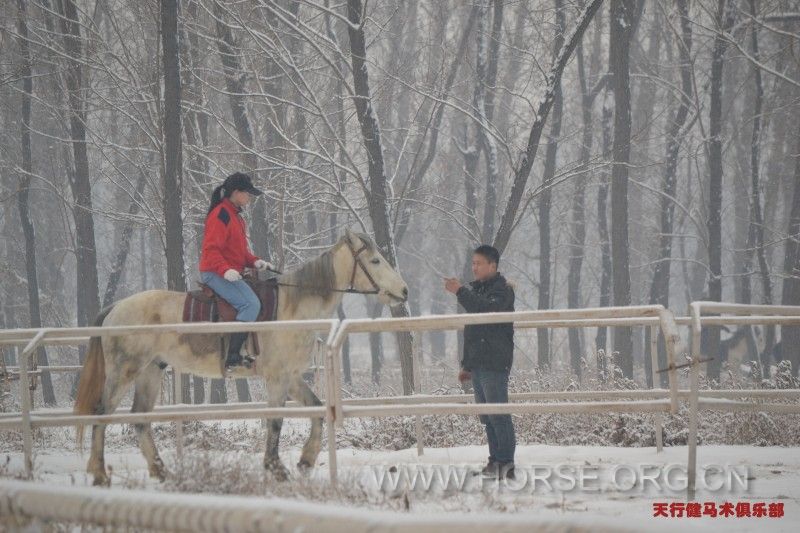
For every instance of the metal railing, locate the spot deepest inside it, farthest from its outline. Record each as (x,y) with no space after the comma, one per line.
(22,503)
(755,314)
(335,409)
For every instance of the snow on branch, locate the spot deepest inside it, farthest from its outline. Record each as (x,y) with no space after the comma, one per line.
(540,119)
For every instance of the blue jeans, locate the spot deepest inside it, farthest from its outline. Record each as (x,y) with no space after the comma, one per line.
(237,293)
(491,386)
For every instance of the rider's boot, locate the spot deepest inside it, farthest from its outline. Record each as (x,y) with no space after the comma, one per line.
(234,357)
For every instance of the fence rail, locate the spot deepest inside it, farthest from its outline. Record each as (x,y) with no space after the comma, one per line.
(336,409)
(22,503)
(771,314)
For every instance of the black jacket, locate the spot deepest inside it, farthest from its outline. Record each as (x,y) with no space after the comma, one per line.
(488,346)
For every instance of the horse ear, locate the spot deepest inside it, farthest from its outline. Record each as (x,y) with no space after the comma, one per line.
(350,236)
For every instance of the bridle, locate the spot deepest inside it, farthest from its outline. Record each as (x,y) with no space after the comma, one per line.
(357,263)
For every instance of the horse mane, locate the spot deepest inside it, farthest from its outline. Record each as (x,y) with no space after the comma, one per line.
(313,278)
(317,277)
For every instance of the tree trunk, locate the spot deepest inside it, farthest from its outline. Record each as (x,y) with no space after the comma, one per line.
(173,147)
(378,197)
(195,126)
(577,215)
(235,86)
(80,185)
(121,258)
(546,196)
(508,221)
(756,230)
(790,336)
(471,156)
(485,67)
(48,394)
(342,136)
(601,339)
(622,12)
(418,170)
(173,159)
(437,337)
(659,288)
(376,344)
(714,222)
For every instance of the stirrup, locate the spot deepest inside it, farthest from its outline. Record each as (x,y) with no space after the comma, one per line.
(238,360)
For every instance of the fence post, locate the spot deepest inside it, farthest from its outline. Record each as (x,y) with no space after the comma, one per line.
(671,339)
(654,371)
(417,356)
(177,380)
(25,397)
(331,353)
(694,393)
(336,382)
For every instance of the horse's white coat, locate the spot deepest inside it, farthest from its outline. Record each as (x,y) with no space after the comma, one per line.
(284,355)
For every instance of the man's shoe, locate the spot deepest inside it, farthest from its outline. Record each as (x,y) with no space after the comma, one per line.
(506,470)
(490,470)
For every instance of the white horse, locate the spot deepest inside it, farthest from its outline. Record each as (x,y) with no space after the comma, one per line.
(313,291)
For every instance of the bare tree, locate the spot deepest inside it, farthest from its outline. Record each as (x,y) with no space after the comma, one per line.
(577,215)
(546,196)
(234,83)
(79,179)
(552,80)
(173,158)
(486,58)
(601,339)
(790,336)
(124,246)
(621,26)
(659,288)
(23,195)
(377,198)
(755,240)
(723,19)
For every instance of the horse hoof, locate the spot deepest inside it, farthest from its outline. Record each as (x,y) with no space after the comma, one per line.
(101,481)
(159,474)
(278,471)
(304,466)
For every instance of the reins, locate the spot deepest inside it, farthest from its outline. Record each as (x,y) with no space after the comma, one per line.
(357,263)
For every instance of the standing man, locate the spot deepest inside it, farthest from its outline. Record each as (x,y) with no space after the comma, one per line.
(488,353)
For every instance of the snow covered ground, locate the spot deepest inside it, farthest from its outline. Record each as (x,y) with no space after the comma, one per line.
(772,476)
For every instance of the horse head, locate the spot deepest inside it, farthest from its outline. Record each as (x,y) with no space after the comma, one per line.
(372,273)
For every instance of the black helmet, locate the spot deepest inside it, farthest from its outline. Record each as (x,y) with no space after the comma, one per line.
(241,182)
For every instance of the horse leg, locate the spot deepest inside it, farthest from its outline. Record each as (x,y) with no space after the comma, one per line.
(302,393)
(148,385)
(276,392)
(118,379)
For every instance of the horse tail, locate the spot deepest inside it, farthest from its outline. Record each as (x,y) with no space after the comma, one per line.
(93,377)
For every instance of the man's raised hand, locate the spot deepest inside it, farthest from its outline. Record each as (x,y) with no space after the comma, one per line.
(452,285)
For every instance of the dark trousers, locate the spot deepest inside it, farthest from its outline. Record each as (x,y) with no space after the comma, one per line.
(491,386)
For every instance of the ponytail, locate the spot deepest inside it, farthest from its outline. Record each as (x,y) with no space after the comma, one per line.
(236,181)
(217,196)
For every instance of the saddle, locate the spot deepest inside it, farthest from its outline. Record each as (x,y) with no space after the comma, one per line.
(204,305)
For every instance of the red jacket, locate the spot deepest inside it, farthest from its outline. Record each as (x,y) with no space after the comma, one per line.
(225,241)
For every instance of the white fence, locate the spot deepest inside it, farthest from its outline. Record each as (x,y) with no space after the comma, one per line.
(336,409)
(22,504)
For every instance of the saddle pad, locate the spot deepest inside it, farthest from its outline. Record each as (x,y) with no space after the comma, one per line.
(205,306)
(267,292)
(199,309)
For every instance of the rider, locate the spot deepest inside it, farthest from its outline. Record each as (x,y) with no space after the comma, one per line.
(225,255)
